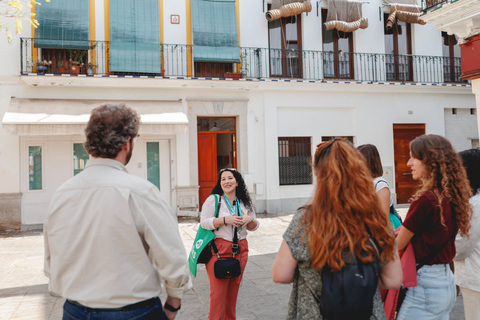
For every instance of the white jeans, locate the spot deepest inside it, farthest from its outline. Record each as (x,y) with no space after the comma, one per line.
(471,303)
(433,297)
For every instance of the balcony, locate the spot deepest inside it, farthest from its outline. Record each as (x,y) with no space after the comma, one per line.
(175,60)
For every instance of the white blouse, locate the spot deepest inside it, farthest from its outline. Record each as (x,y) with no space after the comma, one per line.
(224,232)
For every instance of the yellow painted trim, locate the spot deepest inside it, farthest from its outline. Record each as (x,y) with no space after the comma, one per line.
(93,52)
(34,50)
(188,23)
(161,28)
(237,10)
(161,22)
(106,10)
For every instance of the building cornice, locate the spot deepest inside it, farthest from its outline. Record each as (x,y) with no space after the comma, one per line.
(458,17)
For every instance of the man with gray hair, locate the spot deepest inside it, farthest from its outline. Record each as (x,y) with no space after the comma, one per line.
(109,237)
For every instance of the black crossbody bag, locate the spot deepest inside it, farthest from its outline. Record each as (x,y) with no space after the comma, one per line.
(227,267)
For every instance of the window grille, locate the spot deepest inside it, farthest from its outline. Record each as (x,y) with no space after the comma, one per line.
(295,158)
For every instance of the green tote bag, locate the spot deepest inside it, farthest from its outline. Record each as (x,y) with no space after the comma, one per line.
(202,238)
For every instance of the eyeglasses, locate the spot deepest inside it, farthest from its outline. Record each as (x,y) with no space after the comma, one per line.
(229,169)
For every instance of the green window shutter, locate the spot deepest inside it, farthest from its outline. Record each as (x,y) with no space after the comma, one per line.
(153,163)
(134,36)
(63,24)
(215,36)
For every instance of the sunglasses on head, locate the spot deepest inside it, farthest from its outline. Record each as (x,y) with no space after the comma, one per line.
(229,169)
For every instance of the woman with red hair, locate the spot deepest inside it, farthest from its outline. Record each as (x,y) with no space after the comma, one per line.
(343,215)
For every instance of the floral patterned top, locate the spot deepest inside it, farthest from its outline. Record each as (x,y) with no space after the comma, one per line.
(302,304)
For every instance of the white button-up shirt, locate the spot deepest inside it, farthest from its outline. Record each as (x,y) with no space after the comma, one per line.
(110,239)
(224,232)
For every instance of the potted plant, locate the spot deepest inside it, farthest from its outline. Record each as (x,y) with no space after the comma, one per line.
(75,66)
(91,68)
(76,60)
(41,66)
(61,66)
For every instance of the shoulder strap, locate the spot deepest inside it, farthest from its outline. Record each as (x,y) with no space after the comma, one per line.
(218,203)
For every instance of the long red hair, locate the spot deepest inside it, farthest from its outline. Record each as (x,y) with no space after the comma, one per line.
(343,206)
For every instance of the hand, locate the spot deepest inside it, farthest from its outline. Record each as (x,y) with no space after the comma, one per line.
(234,220)
(175,302)
(170,315)
(246,219)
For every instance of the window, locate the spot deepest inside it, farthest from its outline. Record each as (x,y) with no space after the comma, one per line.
(80,158)
(215,37)
(285,46)
(215,124)
(35,171)
(63,34)
(398,51)
(451,58)
(295,157)
(337,52)
(153,163)
(213,69)
(328,138)
(134,37)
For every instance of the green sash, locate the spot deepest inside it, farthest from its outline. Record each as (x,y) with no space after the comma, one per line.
(202,238)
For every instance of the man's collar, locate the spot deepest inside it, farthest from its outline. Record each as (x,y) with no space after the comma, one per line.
(106,162)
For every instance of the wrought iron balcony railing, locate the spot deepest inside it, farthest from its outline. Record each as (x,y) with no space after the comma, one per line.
(430,5)
(176,60)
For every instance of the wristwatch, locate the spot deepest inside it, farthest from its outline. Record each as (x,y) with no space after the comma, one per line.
(171,308)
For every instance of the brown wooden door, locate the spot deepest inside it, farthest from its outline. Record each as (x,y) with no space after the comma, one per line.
(405,186)
(207,164)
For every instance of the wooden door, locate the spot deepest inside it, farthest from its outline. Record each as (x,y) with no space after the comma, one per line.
(405,186)
(207,164)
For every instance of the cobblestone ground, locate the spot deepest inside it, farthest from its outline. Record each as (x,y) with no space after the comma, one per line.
(24,293)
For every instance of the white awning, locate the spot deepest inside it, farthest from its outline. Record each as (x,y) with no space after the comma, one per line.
(69,117)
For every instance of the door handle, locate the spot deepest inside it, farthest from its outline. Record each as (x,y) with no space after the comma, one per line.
(407,174)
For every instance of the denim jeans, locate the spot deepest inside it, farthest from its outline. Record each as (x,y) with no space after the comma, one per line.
(433,297)
(151,312)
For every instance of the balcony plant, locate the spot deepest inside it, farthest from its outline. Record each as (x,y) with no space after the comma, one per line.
(76,60)
(41,65)
(91,68)
(61,66)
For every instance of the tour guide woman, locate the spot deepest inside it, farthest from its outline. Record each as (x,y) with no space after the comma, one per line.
(439,209)
(236,211)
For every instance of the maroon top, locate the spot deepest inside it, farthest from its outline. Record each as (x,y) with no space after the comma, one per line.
(432,242)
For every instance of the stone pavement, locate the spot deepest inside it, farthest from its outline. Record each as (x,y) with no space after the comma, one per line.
(24,293)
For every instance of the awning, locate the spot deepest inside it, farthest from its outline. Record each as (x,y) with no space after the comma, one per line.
(69,117)
(287,8)
(214,31)
(63,24)
(345,15)
(404,10)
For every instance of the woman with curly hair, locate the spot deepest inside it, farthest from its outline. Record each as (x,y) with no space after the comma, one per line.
(235,215)
(343,215)
(438,210)
(467,260)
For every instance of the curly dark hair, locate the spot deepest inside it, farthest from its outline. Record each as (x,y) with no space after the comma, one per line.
(241,191)
(109,128)
(471,162)
(444,172)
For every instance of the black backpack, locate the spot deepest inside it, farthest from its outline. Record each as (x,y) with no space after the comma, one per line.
(348,293)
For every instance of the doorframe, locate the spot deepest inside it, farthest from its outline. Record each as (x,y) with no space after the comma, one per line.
(171,159)
(218,108)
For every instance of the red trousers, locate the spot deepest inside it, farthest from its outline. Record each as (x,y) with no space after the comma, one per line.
(223,292)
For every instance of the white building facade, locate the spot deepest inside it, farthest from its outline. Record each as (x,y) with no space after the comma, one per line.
(261,107)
